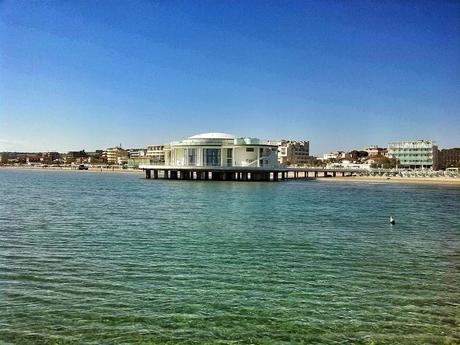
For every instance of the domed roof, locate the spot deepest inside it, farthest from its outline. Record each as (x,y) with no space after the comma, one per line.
(213,135)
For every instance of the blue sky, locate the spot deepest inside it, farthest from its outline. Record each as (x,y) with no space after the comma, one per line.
(342,74)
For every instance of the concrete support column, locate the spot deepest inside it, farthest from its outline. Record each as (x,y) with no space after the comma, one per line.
(166,174)
(155,174)
(275,176)
(148,174)
(334,174)
(267,176)
(174,174)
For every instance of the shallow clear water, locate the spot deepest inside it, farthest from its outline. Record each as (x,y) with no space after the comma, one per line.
(114,258)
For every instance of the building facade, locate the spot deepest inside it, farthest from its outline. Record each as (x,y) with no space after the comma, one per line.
(449,158)
(221,150)
(136,153)
(375,151)
(346,164)
(116,154)
(416,154)
(156,153)
(75,157)
(293,151)
(334,155)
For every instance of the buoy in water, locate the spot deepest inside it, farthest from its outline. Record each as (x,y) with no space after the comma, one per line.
(392,220)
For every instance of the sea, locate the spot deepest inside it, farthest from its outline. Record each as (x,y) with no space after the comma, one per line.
(114,258)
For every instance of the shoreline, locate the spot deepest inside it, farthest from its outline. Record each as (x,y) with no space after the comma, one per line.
(395,180)
(97,170)
(365,179)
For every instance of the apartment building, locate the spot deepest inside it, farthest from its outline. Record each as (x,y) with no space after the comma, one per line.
(414,154)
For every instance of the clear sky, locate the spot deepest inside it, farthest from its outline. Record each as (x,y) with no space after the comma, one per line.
(342,74)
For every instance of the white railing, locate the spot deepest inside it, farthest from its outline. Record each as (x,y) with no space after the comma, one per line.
(257,160)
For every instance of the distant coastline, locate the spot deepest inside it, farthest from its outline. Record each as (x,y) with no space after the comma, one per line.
(68,169)
(357,179)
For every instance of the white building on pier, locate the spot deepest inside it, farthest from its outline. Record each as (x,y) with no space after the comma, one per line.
(221,150)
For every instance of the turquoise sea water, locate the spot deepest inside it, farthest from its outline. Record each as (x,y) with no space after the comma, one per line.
(93,258)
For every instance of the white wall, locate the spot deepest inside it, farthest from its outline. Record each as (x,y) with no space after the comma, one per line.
(240,156)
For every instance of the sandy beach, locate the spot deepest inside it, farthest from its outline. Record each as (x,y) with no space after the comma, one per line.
(383,179)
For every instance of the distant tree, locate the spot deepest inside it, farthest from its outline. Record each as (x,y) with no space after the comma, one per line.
(355,154)
(385,163)
(314,162)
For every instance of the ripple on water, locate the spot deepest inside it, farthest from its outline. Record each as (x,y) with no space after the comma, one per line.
(101,258)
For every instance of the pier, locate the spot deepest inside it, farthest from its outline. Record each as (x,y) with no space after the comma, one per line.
(210,173)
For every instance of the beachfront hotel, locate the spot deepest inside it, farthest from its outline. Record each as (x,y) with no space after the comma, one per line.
(218,156)
(293,151)
(414,154)
(116,155)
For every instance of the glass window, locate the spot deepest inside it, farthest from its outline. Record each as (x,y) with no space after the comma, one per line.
(229,157)
(211,157)
(190,156)
(249,149)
